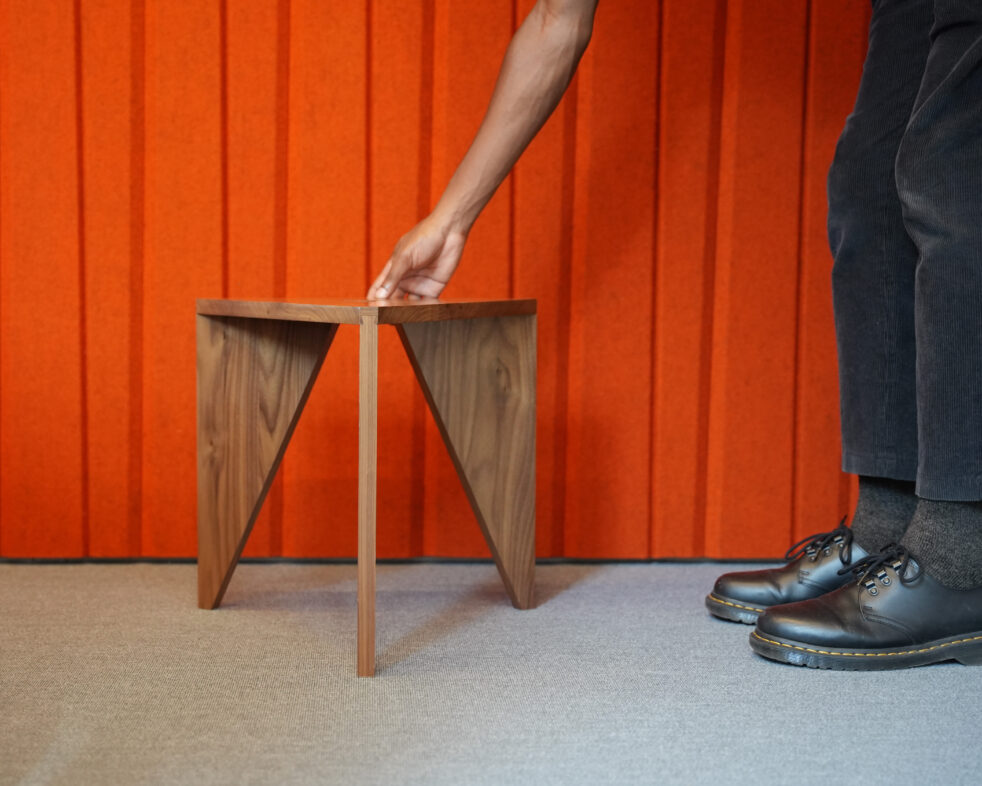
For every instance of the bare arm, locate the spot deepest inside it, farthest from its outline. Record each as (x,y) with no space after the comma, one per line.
(537,69)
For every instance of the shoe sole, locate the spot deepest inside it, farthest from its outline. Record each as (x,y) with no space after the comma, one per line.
(729,609)
(965,648)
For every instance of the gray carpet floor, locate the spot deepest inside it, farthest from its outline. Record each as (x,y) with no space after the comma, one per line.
(110,674)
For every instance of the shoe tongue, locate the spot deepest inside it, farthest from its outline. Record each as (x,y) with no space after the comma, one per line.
(913,568)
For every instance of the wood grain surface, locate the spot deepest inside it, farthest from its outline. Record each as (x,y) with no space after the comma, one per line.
(349,312)
(478,377)
(367,482)
(254,377)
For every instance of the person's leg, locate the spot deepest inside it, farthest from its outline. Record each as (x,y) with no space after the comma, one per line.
(920,601)
(873,276)
(873,284)
(939,179)
(875,259)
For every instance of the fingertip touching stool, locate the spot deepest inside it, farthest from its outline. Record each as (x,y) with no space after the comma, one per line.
(257,362)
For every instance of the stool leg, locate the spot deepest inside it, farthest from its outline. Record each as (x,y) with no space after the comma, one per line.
(478,376)
(367,463)
(254,377)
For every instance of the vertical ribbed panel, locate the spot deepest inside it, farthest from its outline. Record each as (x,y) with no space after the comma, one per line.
(43,444)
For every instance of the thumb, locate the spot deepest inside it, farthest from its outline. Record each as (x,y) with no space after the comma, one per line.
(387,282)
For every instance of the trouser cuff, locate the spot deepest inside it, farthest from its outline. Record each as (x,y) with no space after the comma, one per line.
(880,465)
(949,488)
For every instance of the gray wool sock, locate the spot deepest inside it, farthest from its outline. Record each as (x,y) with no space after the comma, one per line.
(946,540)
(884,510)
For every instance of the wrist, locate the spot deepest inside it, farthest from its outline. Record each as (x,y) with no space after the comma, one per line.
(454,217)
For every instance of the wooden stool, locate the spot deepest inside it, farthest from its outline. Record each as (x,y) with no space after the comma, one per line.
(257,362)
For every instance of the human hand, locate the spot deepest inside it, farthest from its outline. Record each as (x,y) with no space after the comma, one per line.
(422,262)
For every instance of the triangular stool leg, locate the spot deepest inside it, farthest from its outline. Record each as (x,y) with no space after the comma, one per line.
(254,377)
(478,376)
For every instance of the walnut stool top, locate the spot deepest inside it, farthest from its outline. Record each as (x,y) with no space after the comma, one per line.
(349,312)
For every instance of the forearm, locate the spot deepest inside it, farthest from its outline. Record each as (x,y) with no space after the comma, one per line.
(537,68)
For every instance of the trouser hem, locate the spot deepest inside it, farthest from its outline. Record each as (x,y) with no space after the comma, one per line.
(963,488)
(946,488)
(879,466)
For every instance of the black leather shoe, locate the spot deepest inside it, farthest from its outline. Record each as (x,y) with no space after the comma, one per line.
(891,616)
(813,570)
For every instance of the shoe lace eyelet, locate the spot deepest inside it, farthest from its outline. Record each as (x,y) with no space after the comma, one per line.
(885,581)
(873,591)
(827,551)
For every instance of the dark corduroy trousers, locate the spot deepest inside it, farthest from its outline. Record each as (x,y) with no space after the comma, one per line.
(905,225)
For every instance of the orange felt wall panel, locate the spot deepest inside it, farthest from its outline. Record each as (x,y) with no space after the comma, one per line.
(112,225)
(690,100)
(609,409)
(43,476)
(669,218)
(253,68)
(752,363)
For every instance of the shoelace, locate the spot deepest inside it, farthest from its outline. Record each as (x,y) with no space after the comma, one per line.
(811,546)
(872,568)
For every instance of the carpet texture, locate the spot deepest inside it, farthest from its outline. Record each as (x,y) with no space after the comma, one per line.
(110,674)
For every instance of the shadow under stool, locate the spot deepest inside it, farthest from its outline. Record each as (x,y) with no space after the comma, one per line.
(257,362)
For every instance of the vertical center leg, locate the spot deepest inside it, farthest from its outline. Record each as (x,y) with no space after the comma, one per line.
(367,462)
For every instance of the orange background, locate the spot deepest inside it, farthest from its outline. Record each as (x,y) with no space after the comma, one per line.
(670,219)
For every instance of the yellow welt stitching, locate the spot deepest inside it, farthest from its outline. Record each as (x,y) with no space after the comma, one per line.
(864,654)
(717,599)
